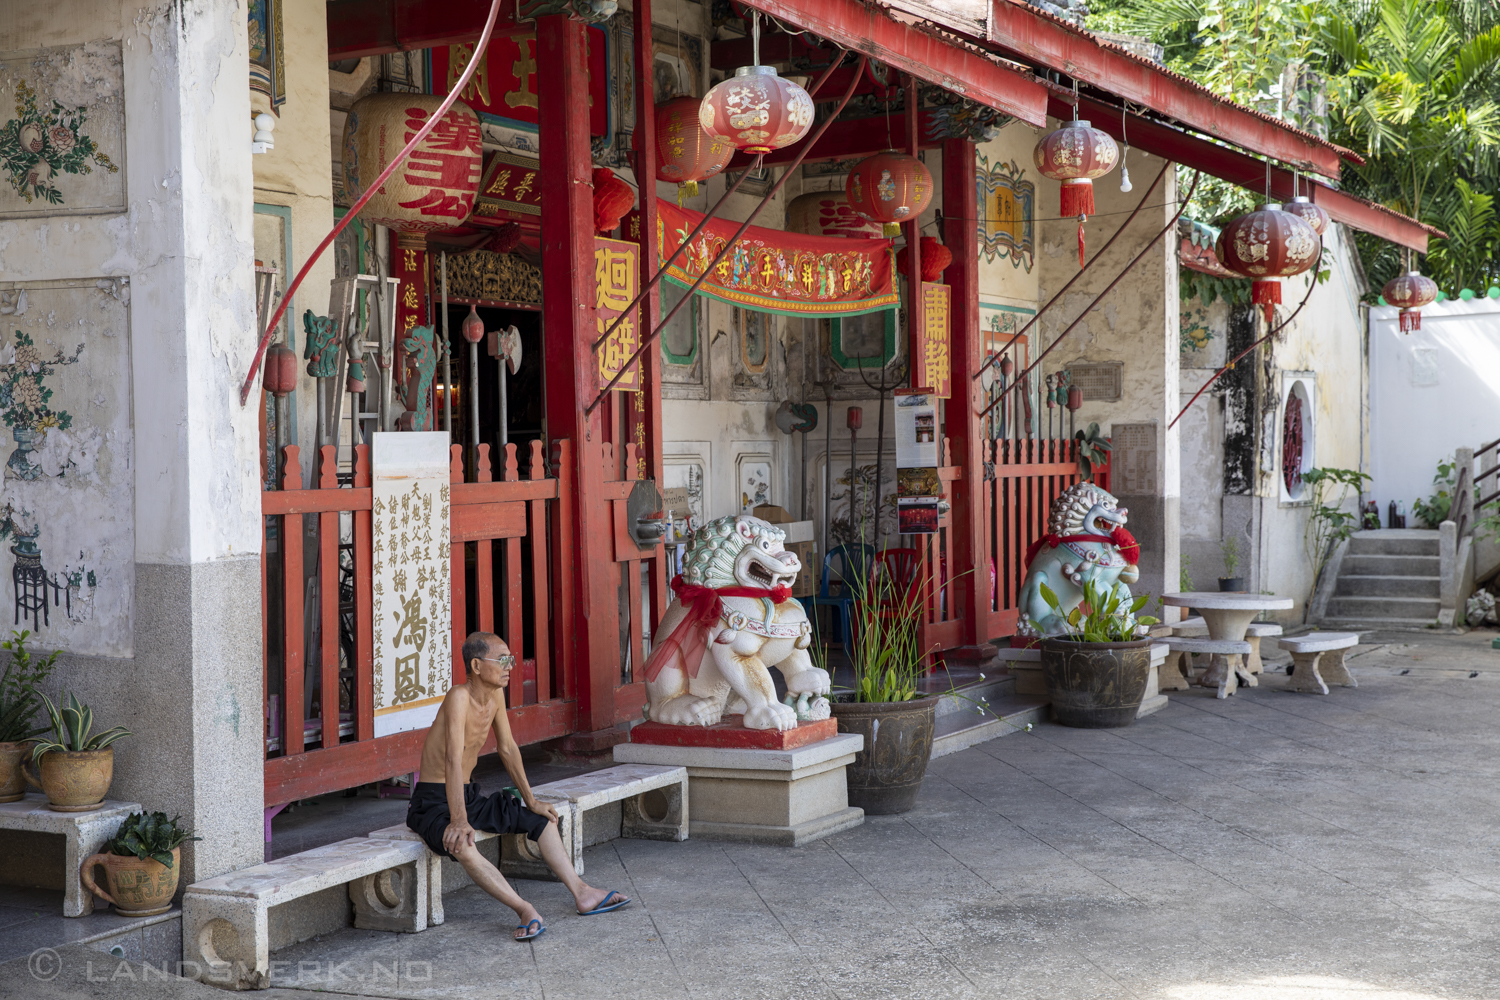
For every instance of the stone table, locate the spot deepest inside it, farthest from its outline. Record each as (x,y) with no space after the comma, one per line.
(1227,616)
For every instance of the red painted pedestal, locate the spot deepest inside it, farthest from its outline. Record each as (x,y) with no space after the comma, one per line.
(731,734)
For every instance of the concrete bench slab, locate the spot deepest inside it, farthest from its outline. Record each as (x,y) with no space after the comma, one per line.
(225,920)
(1226,671)
(83,833)
(1318,654)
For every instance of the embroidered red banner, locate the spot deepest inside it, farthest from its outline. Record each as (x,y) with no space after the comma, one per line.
(770,270)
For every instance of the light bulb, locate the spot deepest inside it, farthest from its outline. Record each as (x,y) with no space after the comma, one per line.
(1125,185)
(262,141)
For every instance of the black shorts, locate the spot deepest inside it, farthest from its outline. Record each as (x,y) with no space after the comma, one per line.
(500,812)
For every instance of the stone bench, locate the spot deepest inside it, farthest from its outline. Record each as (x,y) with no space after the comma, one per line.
(1318,654)
(1198,628)
(1178,674)
(83,833)
(226,920)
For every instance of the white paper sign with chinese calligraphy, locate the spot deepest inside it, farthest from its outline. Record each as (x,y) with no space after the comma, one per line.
(412,617)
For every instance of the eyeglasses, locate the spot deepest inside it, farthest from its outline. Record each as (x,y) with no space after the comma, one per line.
(509,659)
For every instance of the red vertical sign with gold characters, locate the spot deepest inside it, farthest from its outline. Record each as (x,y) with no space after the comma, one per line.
(934,349)
(410,265)
(616,283)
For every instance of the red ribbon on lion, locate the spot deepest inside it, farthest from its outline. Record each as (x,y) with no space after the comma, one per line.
(1129,548)
(704,607)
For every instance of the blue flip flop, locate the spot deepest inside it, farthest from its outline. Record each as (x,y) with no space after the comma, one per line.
(605,905)
(530,935)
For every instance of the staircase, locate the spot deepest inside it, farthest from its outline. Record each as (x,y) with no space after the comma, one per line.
(1388,579)
(960,723)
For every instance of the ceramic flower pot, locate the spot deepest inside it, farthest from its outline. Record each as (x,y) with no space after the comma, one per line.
(887,774)
(1231,584)
(12,781)
(1096,685)
(138,887)
(74,780)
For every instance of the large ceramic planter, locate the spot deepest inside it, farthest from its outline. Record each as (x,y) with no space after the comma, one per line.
(74,780)
(12,781)
(138,887)
(887,774)
(1096,685)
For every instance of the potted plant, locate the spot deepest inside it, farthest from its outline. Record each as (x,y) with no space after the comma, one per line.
(1096,671)
(74,768)
(19,704)
(886,705)
(141,865)
(1229,583)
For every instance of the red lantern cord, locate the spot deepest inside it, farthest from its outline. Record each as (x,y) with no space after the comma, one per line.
(370,192)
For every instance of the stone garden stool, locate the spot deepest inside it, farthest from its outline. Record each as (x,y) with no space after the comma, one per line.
(1194,628)
(1238,649)
(84,833)
(1317,655)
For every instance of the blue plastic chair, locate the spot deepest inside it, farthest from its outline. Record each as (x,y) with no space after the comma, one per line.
(853,563)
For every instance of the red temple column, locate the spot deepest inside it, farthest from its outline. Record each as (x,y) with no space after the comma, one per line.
(568,295)
(965,430)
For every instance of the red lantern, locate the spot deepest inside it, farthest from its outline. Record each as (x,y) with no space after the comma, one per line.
(756,110)
(1313,215)
(473,328)
(1410,291)
(935,259)
(1075,154)
(889,188)
(685,154)
(280,372)
(612,199)
(1266,245)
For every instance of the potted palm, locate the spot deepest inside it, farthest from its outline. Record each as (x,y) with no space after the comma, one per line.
(19,705)
(1229,583)
(886,705)
(141,865)
(1096,671)
(74,768)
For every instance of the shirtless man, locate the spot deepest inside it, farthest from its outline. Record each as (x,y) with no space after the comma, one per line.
(468,714)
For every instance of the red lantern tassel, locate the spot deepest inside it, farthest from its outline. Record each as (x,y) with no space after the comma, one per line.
(1411,319)
(1078,199)
(1267,294)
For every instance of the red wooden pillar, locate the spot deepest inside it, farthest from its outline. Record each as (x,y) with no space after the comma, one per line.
(568,294)
(913,233)
(971,569)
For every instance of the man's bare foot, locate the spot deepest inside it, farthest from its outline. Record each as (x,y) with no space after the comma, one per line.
(527,915)
(593,900)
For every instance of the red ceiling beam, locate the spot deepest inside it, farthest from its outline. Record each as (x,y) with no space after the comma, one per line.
(844,140)
(1030,35)
(374,27)
(934,60)
(1249,173)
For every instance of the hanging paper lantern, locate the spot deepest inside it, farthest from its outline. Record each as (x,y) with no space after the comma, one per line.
(889,188)
(1314,215)
(280,374)
(935,259)
(756,110)
(1410,291)
(1268,244)
(473,328)
(612,199)
(1075,154)
(827,213)
(685,154)
(435,187)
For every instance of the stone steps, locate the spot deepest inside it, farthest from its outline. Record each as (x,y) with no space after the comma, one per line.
(1387,585)
(960,723)
(1394,542)
(1381,565)
(1379,608)
(1387,579)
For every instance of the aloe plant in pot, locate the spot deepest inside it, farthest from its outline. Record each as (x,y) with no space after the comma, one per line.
(1097,670)
(19,705)
(74,768)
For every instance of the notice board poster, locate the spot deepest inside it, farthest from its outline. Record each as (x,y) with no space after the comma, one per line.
(918,486)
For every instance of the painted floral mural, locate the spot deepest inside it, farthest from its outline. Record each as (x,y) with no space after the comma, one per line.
(37,147)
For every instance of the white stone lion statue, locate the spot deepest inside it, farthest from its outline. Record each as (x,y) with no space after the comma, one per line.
(731,618)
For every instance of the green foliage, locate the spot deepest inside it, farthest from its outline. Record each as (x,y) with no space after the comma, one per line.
(19,700)
(1230,548)
(148,835)
(1328,522)
(1208,288)
(1184,578)
(1109,619)
(70,729)
(1434,510)
(886,624)
(1093,451)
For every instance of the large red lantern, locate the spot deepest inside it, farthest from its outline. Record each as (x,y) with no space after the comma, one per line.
(1314,215)
(756,111)
(1267,245)
(827,213)
(612,199)
(889,188)
(434,190)
(685,154)
(935,259)
(1410,291)
(1075,154)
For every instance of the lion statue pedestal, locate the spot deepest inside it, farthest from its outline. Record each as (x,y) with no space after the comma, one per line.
(759,770)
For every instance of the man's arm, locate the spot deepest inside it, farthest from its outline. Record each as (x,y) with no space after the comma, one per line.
(455,709)
(510,756)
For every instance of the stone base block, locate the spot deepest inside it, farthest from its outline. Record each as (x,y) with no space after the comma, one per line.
(788,797)
(393,900)
(732,734)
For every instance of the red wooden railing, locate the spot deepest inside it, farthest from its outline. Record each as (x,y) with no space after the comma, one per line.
(1029,473)
(941,626)
(511,546)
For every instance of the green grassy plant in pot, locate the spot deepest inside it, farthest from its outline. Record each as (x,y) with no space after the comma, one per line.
(886,705)
(142,863)
(19,705)
(1096,671)
(74,768)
